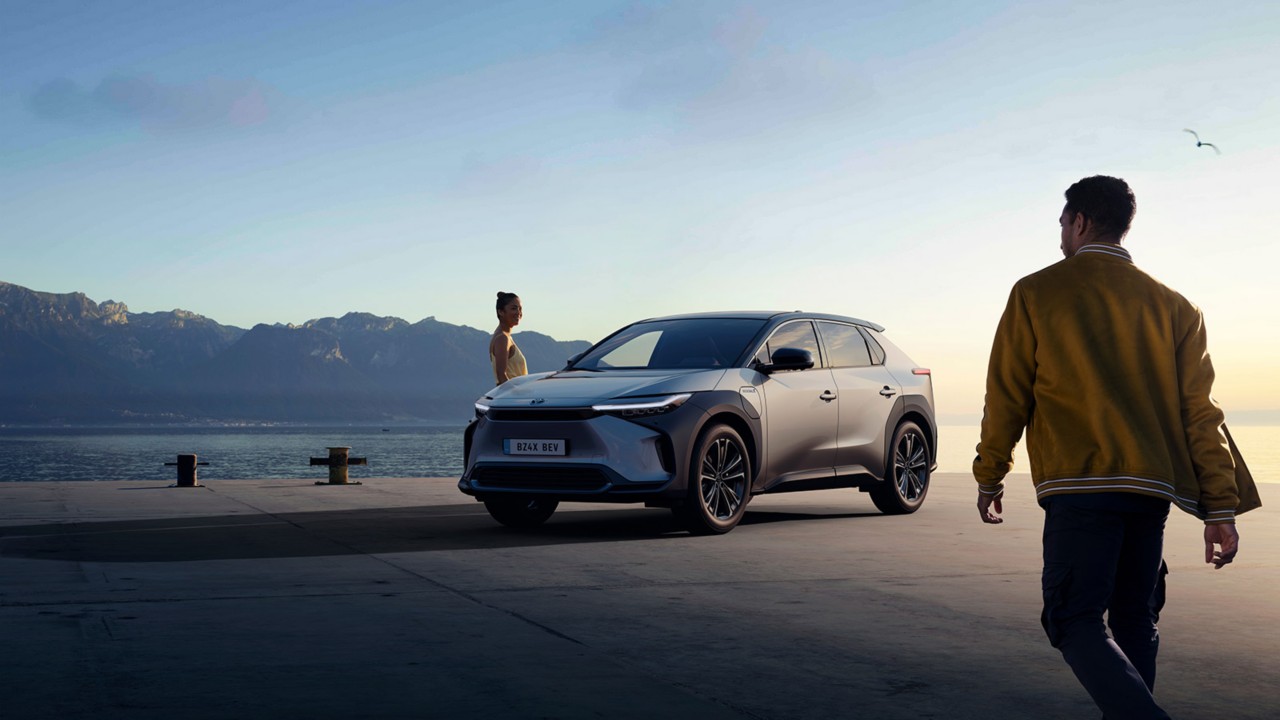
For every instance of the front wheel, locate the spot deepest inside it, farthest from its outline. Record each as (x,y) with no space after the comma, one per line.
(521,512)
(719,482)
(906,479)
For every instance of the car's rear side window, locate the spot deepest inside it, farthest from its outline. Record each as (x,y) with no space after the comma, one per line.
(845,345)
(877,350)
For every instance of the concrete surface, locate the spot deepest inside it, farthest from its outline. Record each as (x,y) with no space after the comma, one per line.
(400,598)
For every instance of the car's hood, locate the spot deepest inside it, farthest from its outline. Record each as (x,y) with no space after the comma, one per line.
(579,388)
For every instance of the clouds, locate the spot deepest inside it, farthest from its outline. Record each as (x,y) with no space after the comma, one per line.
(479,175)
(154,105)
(728,71)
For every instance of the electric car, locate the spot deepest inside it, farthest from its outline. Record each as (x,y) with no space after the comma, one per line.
(698,413)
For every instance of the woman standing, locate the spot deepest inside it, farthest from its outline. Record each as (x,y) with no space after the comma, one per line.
(504,355)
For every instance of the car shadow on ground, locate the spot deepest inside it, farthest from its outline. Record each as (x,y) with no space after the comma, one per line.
(760,517)
(346,532)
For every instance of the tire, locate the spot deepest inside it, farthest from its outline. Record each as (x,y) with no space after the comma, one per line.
(906,479)
(719,483)
(521,512)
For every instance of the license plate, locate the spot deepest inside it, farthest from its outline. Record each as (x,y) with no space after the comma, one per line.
(516,446)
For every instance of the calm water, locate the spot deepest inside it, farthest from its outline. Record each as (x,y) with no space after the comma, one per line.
(283,452)
(232,453)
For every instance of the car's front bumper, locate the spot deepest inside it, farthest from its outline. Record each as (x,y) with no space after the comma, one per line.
(607,459)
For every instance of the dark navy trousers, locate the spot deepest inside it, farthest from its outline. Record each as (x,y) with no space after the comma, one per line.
(1103,556)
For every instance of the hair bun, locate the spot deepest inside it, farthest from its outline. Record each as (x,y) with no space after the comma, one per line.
(504,299)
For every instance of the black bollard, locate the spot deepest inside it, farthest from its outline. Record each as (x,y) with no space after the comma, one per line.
(338,460)
(186,471)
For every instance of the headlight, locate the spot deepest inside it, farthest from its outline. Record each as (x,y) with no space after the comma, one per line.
(642,407)
(482,407)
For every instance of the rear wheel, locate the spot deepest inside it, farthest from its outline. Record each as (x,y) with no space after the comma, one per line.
(719,482)
(521,512)
(906,479)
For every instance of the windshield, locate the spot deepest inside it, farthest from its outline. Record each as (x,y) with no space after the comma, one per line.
(666,344)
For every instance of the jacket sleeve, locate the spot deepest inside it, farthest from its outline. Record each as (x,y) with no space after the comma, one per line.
(1202,421)
(1011,375)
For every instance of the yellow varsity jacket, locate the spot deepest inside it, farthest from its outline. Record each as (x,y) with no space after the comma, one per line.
(1107,370)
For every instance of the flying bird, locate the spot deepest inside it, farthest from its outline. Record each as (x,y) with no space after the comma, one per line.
(1202,144)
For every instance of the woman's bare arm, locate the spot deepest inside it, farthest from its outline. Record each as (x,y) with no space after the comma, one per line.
(500,347)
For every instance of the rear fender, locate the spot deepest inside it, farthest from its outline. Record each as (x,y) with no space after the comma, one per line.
(917,409)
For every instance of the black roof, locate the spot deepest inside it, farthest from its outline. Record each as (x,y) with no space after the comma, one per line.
(779,315)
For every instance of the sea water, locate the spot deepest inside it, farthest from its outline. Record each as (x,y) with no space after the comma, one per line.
(233,453)
(262,452)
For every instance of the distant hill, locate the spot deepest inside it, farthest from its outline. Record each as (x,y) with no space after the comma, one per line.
(67,359)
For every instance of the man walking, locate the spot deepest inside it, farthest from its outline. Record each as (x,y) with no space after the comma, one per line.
(1108,371)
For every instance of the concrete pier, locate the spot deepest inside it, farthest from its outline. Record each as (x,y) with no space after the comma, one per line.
(403,599)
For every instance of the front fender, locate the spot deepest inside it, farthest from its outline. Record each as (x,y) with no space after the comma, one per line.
(682,429)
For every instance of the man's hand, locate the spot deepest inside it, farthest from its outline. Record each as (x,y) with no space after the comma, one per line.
(1225,536)
(990,507)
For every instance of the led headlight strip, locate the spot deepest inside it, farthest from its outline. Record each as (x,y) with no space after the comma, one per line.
(645,407)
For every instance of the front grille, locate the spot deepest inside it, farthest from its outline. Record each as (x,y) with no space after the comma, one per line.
(540,478)
(547,415)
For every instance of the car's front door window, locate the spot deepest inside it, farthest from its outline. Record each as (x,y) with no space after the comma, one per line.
(793,335)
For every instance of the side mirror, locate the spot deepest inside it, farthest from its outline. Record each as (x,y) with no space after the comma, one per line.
(787,358)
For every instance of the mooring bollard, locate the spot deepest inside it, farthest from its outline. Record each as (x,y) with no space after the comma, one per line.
(186,471)
(338,461)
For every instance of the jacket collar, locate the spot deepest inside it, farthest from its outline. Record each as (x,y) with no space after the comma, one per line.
(1111,249)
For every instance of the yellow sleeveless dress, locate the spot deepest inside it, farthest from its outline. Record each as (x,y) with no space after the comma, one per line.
(516,365)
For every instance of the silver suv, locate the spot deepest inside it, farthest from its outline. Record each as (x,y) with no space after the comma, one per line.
(698,413)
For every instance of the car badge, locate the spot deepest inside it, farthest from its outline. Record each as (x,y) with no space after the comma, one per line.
(537,401)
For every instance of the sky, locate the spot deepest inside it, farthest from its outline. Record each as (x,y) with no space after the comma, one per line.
(275,162)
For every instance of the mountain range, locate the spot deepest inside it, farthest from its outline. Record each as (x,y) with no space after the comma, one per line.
(65,359)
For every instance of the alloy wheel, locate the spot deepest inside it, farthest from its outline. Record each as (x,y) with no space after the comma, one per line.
(723,478)
(911,466)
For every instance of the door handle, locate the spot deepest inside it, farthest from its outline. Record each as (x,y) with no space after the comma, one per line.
(887,392)
(827,395)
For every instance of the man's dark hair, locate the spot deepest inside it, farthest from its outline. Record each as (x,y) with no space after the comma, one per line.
(1106,201)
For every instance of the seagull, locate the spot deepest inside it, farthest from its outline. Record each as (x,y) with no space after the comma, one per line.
(1202,144)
